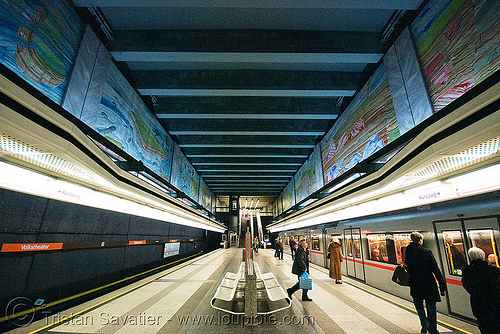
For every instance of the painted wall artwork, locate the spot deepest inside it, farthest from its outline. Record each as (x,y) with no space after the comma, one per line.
(184,176)
(288,196)
(366,126)
(309,177)
(123,118)
(39,40)
(458,43)
(205,195)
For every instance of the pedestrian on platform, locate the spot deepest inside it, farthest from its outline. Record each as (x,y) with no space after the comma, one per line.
(422,268)
(482,282)
(279,248)
(300,265)
(335,252)
(293,247)
(255,244)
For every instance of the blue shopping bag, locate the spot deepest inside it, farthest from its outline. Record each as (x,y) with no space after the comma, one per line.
(305,281)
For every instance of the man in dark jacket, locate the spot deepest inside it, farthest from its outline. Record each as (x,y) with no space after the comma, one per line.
(482,282)
(422,267)
(300,265)
(293,247)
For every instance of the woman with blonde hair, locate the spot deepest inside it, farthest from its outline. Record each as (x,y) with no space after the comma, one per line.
(335,252)
(482,282)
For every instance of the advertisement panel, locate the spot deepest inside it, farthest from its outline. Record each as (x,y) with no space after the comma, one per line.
(171,249)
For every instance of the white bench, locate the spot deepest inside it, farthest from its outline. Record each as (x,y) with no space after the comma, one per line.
(274,290)
(277,297)
(228,286)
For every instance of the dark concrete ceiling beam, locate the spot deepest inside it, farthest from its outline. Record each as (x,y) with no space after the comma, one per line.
(299,4)
(158,45)
(247,79)
(250,140)
(247,105)
(247,152)
(247,127)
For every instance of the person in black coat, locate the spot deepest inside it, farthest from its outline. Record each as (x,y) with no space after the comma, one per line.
(293,247)
(482,282)
(300,265)
(279,247)
(422,267)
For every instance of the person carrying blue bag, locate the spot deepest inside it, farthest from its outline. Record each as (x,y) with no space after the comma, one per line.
(300,267)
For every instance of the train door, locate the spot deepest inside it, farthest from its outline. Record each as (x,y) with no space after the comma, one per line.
(328,238)
(354,253)
(454,239)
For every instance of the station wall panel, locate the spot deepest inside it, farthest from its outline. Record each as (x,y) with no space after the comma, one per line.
(95,251)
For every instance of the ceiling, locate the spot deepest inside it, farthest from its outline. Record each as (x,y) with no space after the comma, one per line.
(247,88)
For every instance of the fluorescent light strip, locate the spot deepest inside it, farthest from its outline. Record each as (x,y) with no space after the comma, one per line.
(245,164)
(277,156)
(243,146)
(244,133)
(481,181)
(244,115)
(243,181)
(245,176)
(249,170)
(25,181)
(246,185)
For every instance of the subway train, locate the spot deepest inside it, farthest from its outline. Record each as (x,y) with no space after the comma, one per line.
(371,245)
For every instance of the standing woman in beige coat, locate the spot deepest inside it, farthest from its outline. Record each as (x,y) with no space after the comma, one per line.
(335,251)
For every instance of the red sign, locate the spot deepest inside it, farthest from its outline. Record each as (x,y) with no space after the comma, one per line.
(137,242)
(31,247)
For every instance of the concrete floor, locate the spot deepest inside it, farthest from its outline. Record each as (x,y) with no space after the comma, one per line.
(178,301)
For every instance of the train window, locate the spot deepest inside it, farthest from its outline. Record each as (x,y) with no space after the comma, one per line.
(356,246)
(455,252)
(378,247)
(401,240)
(485,240)
(315,243)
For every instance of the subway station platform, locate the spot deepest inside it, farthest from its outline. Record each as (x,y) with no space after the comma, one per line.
(177,300)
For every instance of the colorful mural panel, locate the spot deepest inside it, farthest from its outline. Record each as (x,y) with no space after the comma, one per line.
(39,41)
(288,196)
(366,126)
(458,43)
(205,195)
(309,178)
(184,175)
(123,118)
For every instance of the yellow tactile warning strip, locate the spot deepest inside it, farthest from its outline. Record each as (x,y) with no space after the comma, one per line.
(396,303)
(65,319)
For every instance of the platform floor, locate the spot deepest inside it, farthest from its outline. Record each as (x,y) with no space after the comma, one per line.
(177,300)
